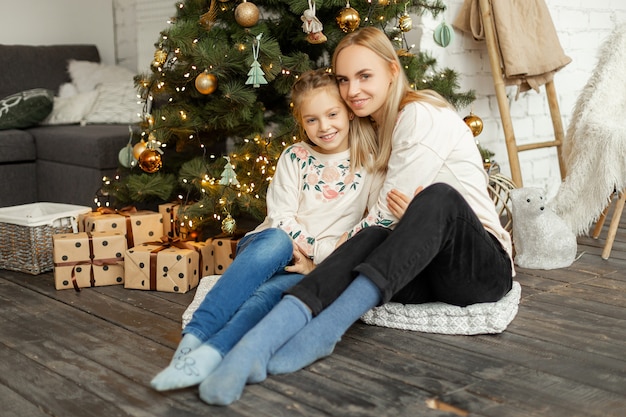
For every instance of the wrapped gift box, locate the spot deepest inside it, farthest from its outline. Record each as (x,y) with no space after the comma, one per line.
(88,259)
(169,213)
(224,249)
(170,266)
(207,257)
(139,226)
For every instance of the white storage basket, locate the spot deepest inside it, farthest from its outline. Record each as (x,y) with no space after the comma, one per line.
(27,232)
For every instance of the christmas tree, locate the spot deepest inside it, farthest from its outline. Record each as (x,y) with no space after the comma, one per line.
(218,86)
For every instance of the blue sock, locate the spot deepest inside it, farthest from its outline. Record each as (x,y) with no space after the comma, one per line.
(247,361)
(187,370)
(318,338)
(188,343)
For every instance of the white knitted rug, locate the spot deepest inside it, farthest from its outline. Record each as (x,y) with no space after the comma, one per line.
(444,318)
(429,317)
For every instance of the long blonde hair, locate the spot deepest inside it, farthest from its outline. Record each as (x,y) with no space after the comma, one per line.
(400,91)
(361,136)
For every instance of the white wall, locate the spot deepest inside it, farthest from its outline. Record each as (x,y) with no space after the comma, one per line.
(582,26)
(48,22)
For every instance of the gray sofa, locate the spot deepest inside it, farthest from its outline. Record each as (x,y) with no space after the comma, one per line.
(56,163)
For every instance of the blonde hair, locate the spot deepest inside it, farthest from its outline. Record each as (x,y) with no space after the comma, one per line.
(400,92)
(361,136)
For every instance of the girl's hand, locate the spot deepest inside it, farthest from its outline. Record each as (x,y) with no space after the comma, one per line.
(302,264)
(398,202)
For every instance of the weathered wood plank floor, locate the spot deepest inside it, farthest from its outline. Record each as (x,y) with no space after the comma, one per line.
(92,354)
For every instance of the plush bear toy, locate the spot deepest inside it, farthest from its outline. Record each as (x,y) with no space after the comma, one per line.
(541,238)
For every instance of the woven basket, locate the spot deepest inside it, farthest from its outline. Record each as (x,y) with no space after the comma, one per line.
(27,231)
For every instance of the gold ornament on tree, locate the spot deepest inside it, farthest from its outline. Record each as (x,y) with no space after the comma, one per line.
(139,148)
(207,20)
(160,56)
(405,22)
(206,83)
(475,123)
(247,14)
(348,19)
(150,159)
(229,225)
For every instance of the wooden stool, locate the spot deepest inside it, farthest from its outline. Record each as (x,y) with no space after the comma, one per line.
(617,214)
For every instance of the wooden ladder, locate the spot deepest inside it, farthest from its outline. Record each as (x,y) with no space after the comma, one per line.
(512,147)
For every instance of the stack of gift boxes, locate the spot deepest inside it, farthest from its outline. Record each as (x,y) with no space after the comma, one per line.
(139,249)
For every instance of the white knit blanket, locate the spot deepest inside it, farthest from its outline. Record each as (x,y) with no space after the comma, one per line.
(594,149)
(481,318)
(429,317)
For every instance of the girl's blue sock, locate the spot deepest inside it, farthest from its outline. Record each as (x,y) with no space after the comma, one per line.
(318,338)
(247,361)
(188,370)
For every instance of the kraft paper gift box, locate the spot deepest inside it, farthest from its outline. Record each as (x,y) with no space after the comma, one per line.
(207,258)
(224,250)
(139,226)
(170,266)
(169,212)
(88,259)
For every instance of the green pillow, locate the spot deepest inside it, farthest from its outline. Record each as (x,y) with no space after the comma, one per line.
(25,109)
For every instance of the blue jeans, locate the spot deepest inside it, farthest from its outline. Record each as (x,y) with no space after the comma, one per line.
(249,288)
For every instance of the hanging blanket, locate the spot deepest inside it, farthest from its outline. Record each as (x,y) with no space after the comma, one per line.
(530,51)
(594,149)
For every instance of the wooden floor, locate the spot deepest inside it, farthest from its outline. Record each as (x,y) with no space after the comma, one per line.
(92,353)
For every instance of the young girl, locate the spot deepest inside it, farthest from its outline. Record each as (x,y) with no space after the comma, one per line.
(319,191)
(448,245)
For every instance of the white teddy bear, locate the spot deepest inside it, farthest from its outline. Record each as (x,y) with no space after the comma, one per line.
(541,238)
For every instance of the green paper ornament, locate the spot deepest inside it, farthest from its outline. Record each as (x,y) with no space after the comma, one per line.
(126,157)
(443,34)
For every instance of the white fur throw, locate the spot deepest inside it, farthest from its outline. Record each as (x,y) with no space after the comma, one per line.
(429,317)
(594,149)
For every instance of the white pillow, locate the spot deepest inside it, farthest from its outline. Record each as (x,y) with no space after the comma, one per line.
(87,75)
(116,103)
(71,110)
(67,90)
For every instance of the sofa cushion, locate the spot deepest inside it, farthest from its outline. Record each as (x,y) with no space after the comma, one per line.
(25,109)
(116,103)
(86,76)
(92,146)
(16,146)
(25,67)
(71,110)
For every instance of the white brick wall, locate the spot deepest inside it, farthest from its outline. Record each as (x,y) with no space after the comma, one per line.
(581,25)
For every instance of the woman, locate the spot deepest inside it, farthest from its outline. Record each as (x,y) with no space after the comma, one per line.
(448,245)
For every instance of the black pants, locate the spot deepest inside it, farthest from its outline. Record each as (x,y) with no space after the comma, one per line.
(439,251)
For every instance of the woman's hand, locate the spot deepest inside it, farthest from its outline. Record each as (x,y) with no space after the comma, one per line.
(302,264)
(398,202)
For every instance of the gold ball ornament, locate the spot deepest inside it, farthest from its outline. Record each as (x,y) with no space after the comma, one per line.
(247,14)
(384,2)
(150,161)
(206,83)
(229,225)
(160,56)
(405,22)
(475,123)
(139,148)
(348,19)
